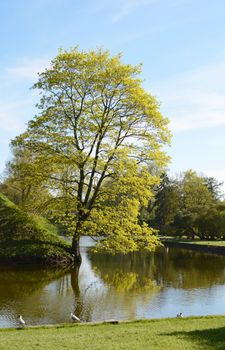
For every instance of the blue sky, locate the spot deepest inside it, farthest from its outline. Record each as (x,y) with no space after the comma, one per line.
(181,44)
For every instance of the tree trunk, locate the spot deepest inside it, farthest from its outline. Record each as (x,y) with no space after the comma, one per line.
(81,217)
(76,249)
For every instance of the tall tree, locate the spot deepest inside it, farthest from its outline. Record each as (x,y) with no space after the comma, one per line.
(196,199)
(185,204)
(214,187)
(96,138)
(167,203)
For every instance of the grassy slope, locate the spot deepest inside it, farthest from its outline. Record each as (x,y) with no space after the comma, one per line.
(27,237)
(170,334)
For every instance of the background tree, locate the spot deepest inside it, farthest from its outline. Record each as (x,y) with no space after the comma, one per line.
(214,187)
(22,183)
(189,205)
(167,204)
(96,137)
(211,224)
(195,201)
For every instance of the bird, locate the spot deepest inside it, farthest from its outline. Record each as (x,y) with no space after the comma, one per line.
(74,318)
(21,321)
(180,314)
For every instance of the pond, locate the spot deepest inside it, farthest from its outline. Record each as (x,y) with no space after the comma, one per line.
(123,287)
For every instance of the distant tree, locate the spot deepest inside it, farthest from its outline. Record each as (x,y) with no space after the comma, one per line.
(195,194)
(196,200)
(20,184)
(167,204)
(95,140)
(211,224)
(214,186)
(182,203)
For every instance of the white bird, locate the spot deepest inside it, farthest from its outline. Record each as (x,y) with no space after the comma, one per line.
(74,318)
(180,314)
(21,320)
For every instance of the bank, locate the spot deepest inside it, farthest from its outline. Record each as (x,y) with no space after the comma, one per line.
(29,239)
(170,334)
(213,247)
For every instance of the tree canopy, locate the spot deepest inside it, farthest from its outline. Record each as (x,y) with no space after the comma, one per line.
(190,205)
(96,144)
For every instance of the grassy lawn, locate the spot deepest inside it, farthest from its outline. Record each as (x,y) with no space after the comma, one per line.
(193,241)
(187,333)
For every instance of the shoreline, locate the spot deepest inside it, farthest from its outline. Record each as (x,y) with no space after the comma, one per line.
(112,322)
(199,332)
(206,248)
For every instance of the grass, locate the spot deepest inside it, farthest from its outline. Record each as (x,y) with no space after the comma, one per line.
(216,243)
(29,238)
(171,334)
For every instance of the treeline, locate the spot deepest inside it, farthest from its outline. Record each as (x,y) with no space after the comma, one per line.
(189,205)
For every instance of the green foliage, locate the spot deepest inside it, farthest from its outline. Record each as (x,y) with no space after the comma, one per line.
(211,224)
(214,187)
(28,238)
(23,183)
(97,145)
(190,206)
(167,204)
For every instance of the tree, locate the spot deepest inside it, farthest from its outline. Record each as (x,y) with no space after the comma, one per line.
(214,186)
(167,204)
(211,224)
(182,204)
(98,138)
(21,186)
(197,199)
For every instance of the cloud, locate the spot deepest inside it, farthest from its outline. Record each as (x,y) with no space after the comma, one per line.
(13,115)
(17,101)
(128,6)
(196,99)
(27,68)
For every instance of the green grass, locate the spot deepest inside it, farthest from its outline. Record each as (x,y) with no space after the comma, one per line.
(29,238)
(170,334)
(216,243)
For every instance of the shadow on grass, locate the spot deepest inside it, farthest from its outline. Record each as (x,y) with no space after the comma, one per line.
(210,338)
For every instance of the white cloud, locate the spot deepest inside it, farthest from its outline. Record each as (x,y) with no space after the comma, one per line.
(27,69)
(195,99)
(17,101)
(128,6)
(13,115)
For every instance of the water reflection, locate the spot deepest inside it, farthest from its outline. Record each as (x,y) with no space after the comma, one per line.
(167,267)
(129,286)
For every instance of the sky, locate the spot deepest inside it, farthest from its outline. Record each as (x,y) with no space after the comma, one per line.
(181,44)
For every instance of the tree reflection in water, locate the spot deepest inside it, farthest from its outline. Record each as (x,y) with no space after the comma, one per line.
(128,286)
(141,276)
(19,282)
(126,273)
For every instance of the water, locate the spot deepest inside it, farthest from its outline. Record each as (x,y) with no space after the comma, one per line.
(140,285)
